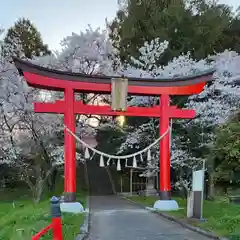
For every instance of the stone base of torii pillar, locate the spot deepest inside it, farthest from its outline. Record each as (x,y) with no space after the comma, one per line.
(166,205)
(71,207)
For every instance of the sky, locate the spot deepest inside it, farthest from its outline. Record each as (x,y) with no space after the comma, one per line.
(56,19)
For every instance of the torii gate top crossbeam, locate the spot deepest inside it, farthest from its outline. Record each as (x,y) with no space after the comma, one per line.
(49,79)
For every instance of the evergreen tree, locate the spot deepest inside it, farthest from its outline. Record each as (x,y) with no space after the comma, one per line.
(226,151)
(23,39)
(196,26)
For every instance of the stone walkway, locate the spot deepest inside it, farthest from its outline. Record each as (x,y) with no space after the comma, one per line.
(113,218)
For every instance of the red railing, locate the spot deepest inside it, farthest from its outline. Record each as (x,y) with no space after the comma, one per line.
(42,232)
(55,225)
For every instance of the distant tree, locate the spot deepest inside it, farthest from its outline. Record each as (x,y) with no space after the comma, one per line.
(24,40)
(226,151)
(232,35)
(195,26)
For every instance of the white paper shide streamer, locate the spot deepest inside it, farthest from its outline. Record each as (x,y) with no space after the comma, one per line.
(134,162)
(102,161)
(86,154)
(118,165)
(149,157)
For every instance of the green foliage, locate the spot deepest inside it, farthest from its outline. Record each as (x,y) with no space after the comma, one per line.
(210,27)
(24,38)
(21,220)
(109,135)
(226,151)
(222,217)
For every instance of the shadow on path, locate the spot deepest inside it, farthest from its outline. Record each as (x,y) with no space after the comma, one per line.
(113,218)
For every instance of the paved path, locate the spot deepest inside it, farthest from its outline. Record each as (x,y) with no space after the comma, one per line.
(113,218)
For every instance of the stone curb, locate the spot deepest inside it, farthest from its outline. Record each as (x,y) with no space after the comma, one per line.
(84,228)
(180,222)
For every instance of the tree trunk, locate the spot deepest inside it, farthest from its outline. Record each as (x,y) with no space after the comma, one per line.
(51,180)
(211,187)
(38,191)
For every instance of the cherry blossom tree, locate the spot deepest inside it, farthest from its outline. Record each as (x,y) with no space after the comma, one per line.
(214,105)
(26,136)
(33,142)
(91,52)
(219,99)
(28,140)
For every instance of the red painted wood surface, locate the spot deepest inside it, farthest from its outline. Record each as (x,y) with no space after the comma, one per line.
(42,232)
(56,84)
(165,180)
(57,228)
(61,106)
(70,144)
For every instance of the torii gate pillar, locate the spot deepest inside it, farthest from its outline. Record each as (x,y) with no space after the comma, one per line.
(165,203)
(69,147)
(165,187)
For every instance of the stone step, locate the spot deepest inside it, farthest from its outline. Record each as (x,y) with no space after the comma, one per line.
(99,182)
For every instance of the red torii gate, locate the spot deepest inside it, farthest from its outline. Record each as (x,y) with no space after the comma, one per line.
(44,78)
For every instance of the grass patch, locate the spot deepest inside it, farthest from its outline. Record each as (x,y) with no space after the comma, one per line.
(222,218)
(21,220)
